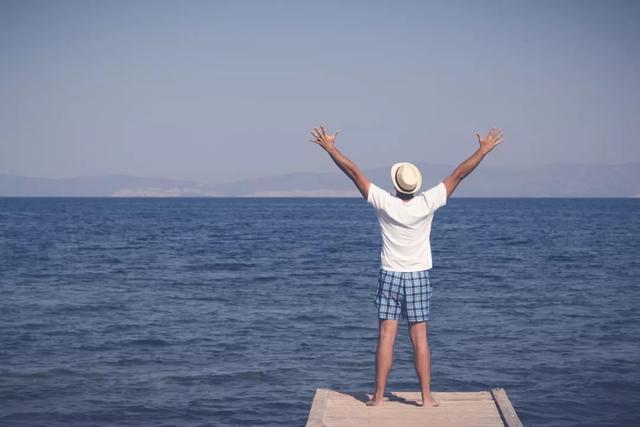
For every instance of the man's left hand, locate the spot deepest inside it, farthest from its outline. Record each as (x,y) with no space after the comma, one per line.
(323,139)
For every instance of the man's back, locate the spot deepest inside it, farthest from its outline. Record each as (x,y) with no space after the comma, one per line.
(405,227)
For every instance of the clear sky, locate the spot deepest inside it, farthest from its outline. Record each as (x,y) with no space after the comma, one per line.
(217,90)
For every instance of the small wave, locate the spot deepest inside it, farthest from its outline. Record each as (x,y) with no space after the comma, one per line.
(226,266)
(41,374)
(258,376)
(136,361)
(157,342)
(205,299)
(81,308)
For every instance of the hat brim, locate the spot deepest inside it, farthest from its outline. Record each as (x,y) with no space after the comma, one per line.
(395,168)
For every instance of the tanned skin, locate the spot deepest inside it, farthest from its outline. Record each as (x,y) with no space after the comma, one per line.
(388,329)
(488,143)
(327,141)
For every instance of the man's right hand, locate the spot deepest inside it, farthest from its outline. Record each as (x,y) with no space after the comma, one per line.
(489,142)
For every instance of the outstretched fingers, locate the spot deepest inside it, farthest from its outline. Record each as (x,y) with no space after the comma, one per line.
(497,136)
(493,138)
(321,137)
(316,134)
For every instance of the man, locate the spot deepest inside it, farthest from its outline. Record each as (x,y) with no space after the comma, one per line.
(405,224)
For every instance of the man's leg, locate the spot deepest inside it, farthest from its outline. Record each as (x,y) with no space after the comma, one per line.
(422,360)
(384,358)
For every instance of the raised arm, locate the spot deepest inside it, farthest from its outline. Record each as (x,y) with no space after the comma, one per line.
(488,143)
(327,142)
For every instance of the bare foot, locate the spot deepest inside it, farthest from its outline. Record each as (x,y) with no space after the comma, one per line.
(374,401)
(430,402)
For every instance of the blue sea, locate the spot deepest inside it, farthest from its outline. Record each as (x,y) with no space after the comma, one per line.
(188,312)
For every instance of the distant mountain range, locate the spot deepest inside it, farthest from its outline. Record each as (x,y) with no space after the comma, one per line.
(557,180)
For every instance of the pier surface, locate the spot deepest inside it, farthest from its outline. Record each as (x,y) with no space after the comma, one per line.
(483,408)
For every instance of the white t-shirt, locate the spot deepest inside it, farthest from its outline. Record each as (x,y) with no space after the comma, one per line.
(405,227)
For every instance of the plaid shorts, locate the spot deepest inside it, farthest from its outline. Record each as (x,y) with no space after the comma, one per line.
(405,293)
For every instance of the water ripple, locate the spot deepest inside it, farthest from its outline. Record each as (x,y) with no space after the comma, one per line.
(233,311)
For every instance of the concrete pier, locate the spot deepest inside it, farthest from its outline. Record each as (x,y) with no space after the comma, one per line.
(484,408)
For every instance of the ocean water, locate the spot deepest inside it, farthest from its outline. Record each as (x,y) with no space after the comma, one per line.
(233,311)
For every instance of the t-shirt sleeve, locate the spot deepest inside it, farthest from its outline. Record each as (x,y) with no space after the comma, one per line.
(377,196)
(436,197)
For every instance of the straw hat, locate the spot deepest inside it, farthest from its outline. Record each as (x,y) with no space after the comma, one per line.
(406,177)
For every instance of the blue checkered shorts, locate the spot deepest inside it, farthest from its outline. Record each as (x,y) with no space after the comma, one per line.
(405,293)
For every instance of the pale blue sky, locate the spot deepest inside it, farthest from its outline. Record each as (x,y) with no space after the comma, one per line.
(217,90)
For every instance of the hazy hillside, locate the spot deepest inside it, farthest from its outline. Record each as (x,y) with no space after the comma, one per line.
(100,186)
(559,180)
